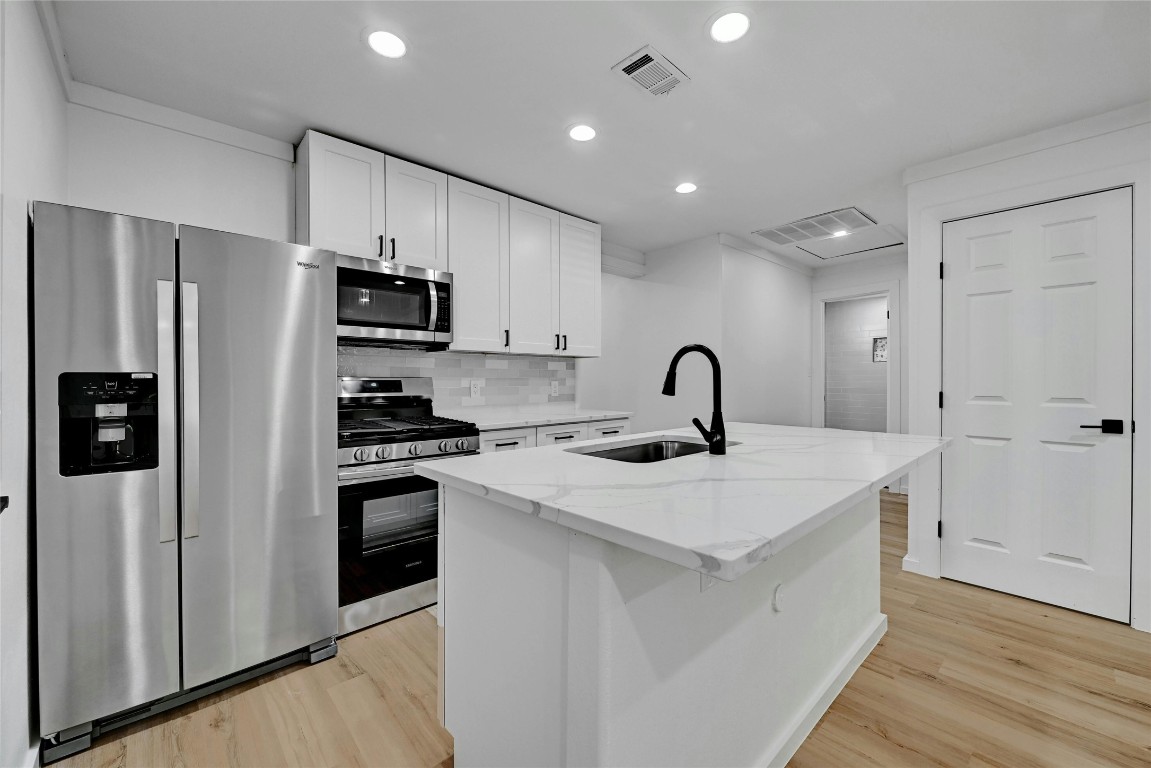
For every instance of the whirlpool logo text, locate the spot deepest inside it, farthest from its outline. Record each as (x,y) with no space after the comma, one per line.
(307,265)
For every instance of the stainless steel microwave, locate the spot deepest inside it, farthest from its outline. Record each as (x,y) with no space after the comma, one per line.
(379,303)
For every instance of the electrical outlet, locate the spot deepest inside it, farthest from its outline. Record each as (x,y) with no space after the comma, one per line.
(476,387)
(555,387)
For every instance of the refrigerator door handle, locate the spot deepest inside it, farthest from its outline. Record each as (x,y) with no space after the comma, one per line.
(166,411)
(190,310)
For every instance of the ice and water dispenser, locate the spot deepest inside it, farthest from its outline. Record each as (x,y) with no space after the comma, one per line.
(108,423)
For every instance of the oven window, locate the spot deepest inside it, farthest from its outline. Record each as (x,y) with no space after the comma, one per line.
(385,301)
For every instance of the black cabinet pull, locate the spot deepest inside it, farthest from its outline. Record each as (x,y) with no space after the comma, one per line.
(381,246)
(393,249)
(3,503)
(611,432)
(507,338)
(557,438)
(505,445)
(1109,426)
(565,342)
(557,341)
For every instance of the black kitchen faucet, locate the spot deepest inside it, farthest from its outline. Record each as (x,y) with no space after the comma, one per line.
(716,437)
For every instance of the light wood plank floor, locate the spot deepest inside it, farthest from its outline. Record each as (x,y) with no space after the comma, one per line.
(963,677)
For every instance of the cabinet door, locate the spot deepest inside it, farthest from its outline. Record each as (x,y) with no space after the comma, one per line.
(579,287)
(535,241)
(478,251)
(507,440)
(417,203)
(598,429)
(341,196)
(561,434)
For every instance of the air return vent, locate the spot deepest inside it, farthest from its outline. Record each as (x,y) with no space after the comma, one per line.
(650,71)
(845,220)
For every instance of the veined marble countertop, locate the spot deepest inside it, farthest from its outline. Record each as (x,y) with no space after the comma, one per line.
(511,416)
(720,515)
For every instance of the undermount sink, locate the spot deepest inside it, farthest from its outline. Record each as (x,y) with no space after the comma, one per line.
(645,453)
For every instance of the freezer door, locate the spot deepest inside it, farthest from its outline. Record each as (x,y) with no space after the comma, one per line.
(106,551)
(259,503)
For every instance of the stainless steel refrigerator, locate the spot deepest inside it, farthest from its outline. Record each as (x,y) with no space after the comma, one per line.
(184,435)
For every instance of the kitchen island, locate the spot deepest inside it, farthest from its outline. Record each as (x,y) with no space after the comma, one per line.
(701,610)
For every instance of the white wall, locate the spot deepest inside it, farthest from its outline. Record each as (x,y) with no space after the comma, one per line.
(766,339)
(645,321)
(1098,153)
(124,165)
(33,154)
(752,312)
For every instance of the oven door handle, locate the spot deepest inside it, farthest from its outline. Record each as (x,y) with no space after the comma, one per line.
(370,476)
(434,310)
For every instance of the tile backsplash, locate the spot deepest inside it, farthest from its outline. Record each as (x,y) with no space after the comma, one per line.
(504,379)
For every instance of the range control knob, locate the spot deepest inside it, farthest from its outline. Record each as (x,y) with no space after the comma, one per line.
(415,449)
(361,454)
(384,452)
(462,444)
(445,446)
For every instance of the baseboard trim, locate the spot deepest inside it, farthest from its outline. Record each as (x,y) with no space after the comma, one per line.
(786,747)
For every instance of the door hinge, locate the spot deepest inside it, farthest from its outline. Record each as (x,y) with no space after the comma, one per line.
(941,270)
(941,400)
(939,529)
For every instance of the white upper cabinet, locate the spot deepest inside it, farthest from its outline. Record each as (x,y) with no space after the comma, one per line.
(339,196)
(360,202)
(526,279)
(479,251)
(417,210)
(534,262)
(579,287)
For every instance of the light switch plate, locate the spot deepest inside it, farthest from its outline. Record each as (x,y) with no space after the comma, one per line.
(476,387)
(555,387)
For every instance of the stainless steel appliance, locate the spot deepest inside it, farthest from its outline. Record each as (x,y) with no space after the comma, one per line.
(379,303)
(157,582)
(389,517)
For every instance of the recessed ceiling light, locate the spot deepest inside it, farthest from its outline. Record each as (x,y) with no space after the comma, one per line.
(729,27)
(387,44)
(399,282)
(582,132)
(840,233)
(685,188)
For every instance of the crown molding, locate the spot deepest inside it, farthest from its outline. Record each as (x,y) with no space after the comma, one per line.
(103,100)
(1098,125)
(622,261)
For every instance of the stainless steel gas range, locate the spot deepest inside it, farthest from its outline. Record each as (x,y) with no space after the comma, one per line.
(389,517)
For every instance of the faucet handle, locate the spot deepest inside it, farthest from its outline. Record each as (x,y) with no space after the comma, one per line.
(707,434)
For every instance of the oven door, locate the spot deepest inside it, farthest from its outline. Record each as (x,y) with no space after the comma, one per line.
(378,302)
(387,546)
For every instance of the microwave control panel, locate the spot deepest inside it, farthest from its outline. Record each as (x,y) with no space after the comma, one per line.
(443,308)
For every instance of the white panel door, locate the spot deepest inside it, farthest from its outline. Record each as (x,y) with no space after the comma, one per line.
(579,287)
(479,252)
(535,245)
(1036,349)
(346,207)
(417,203)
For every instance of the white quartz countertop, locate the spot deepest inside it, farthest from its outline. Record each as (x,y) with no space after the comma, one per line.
(488,417)
(720,515)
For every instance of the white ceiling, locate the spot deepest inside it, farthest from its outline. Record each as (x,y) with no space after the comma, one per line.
(821,106)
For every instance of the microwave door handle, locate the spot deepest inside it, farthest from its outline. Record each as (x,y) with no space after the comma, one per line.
(434,310)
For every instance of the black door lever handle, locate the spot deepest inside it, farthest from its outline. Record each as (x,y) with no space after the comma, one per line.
(1109,426)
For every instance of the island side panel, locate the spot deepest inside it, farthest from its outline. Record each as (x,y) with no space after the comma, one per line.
(504,587)
(662,673)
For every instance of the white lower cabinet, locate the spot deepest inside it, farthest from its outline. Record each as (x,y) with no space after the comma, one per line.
(507,439)
(561,433)
(552,434)
(598,429)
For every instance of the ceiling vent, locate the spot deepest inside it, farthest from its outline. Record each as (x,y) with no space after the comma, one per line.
(650,71)
(845,220)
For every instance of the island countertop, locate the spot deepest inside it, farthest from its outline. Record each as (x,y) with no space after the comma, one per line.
(719,515)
